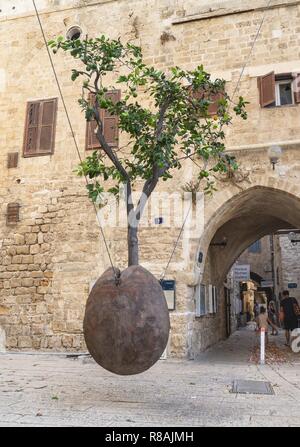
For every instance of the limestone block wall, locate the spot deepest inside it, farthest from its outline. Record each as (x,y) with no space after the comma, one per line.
(260,262)
(50,258)
(290,265)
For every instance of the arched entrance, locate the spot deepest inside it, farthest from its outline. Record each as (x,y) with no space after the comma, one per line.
(233,223)
(242,220)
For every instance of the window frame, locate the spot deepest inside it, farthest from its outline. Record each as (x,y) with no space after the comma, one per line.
(39,125)
(277,92)
(256,247)
(201,301)
(102,112)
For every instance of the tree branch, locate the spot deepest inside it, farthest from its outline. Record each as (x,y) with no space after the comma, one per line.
(151,183)
(107,149)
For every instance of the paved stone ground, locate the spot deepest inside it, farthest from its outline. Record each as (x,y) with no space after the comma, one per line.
(55,390)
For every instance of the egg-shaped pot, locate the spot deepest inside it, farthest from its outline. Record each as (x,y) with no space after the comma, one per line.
(126,325)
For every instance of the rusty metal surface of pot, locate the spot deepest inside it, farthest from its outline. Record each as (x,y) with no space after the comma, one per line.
(126,326)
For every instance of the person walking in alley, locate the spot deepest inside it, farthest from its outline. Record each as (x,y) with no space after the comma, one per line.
(289,314)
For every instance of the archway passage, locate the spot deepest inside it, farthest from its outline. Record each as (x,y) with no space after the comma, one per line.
(244,219)
(234,226)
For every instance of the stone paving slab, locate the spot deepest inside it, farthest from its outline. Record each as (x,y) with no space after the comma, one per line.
(53,390)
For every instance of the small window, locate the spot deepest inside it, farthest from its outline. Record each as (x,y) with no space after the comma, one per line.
(12,160)
(40,124)
(110,124)
(13,213)
(74,33)
(279,90)
(215,99)
(284,92)
(200,300)
(255,248)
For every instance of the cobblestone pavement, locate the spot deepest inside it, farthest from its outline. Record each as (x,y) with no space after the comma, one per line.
(56,390)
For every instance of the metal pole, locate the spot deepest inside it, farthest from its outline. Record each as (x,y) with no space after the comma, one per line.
(262,346)
(272,246)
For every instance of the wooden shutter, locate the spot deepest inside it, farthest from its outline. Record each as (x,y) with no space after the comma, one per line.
(12,215)
(266,86)
(91,140)
(296,87)
(40,124)
(110,124)
(31,129)
(213,108)
(215,98)
(12,160)
(47,126)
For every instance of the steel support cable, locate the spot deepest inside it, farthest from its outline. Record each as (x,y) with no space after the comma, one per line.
(116,274)
(76,145)
(236,89)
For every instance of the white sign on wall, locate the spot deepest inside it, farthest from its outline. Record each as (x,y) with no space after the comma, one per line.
(267,283)
(241,272)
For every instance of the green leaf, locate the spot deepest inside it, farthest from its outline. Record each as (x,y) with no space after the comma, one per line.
(159,117)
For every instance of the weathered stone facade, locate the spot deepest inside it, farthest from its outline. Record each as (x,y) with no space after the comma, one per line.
(260,260)
(50,258)
(290,266)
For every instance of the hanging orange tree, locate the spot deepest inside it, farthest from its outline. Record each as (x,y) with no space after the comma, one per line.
(176,126)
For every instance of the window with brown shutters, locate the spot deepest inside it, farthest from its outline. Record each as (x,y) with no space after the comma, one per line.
(13,213)
(214,106)
(279,89)
(12,160)
(213,98)
(40,125)
(110,125)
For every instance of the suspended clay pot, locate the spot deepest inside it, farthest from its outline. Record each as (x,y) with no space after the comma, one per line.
(126,326)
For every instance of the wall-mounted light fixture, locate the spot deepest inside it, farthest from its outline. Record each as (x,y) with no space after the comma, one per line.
(200,257)
(275,154)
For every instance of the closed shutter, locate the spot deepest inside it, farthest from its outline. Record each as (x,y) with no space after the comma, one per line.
(110,124)
(296,87)
(13,213)
(213,108)
(266,86)
(47,126)
(40,128)
(12,160)
(214,98)
(31,129)
(91,140)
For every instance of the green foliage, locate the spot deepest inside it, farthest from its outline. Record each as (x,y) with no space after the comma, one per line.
(174,126)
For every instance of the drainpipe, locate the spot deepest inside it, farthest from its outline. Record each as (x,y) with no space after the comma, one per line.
(272,247)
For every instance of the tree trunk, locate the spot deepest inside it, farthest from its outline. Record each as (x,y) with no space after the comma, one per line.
(133,246)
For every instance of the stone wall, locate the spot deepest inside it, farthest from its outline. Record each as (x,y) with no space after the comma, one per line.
(50,258)
(290,265)
(260,262)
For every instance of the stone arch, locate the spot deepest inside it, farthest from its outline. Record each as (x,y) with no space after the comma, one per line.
(242,217)
(260,209)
